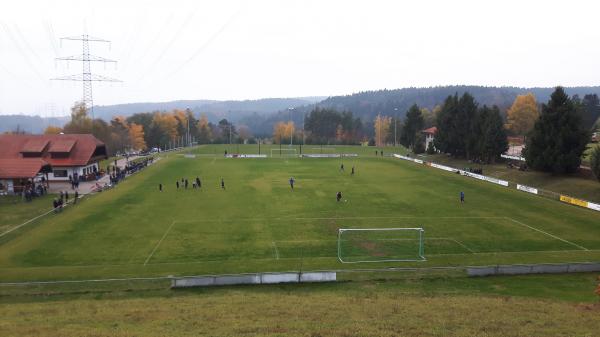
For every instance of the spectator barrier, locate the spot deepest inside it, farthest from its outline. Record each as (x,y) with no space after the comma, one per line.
(328,155)
(246,156)
(580,202)
(529,189)
(258,278)
(533,269)
(506,156)
(485,178)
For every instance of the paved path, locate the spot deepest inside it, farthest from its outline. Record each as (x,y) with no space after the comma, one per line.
(86,187)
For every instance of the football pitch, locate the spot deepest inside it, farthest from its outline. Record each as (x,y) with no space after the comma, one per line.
(258,224)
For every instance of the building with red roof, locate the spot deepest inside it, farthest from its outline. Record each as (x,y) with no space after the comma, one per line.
(429,135)
(27,158)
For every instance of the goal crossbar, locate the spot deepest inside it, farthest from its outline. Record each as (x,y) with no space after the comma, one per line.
(290,152)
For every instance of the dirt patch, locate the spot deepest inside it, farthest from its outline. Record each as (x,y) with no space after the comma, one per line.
(372,248)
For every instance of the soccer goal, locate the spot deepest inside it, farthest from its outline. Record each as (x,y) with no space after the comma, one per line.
(284,152)
(380,244)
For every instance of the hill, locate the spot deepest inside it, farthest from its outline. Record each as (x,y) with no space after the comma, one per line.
(368,104)
(29,124)
(260,115)
(215,110)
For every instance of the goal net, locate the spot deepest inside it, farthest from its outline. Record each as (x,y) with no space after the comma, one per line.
(380,244)
(284,152)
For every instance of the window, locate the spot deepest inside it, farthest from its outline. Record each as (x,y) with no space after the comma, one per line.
(60,173)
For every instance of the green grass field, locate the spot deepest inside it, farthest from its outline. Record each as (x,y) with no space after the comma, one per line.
(259,224)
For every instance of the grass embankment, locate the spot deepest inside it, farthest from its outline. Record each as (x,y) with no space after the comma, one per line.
(14,210)
(575,185)
(549,305)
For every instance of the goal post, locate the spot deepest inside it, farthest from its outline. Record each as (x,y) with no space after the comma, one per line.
(284,152)
(357,245)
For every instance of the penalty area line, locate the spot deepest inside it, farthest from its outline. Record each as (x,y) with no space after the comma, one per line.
(159,242)
(550,235)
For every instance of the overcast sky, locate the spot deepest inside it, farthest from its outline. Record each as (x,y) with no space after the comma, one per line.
(171,50)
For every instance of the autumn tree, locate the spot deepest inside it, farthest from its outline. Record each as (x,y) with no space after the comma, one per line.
(430,116)
(522,114)
(136,137)
(289,130)
(282,132)
(382,127)
(80,121)
(119,134)
(204,130)
(53,130)
(164,126)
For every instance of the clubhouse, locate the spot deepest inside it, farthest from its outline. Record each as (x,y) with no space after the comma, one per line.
(27,160)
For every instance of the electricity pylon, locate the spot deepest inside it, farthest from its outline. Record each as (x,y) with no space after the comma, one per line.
(86,77)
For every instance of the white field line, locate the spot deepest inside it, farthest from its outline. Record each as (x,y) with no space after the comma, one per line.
(546,233)
(25,223)
(276,250)
(282,258)
(461,244)
(159,242)
(291,258)
(401,217)
(37,217)
(347,218)
(85,281)
(520,252)
(335,256)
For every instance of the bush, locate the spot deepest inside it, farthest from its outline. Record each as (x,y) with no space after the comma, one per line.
(430,148)
(419,146)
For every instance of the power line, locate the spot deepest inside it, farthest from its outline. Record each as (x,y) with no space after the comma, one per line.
(86,77)
(23,54)
(48,26)
(198,51)
(170,44)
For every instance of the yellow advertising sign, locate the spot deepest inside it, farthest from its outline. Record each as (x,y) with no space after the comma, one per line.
(574,201)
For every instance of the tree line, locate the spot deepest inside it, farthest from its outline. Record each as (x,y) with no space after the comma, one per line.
(556,133)
(148,130)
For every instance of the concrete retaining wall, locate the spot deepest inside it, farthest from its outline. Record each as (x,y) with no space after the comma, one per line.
(261,278)
(534,269)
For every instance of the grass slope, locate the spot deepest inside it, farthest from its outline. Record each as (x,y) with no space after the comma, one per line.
(535,305)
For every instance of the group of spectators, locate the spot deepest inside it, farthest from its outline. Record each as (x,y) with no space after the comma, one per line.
(63,199)
(34,190)
(474,170)
(521,166)
(74,182)
(117,174)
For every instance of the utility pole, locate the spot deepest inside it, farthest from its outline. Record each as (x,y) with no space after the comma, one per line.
(379,129)
(86,77)
(395,122)
(291,130)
